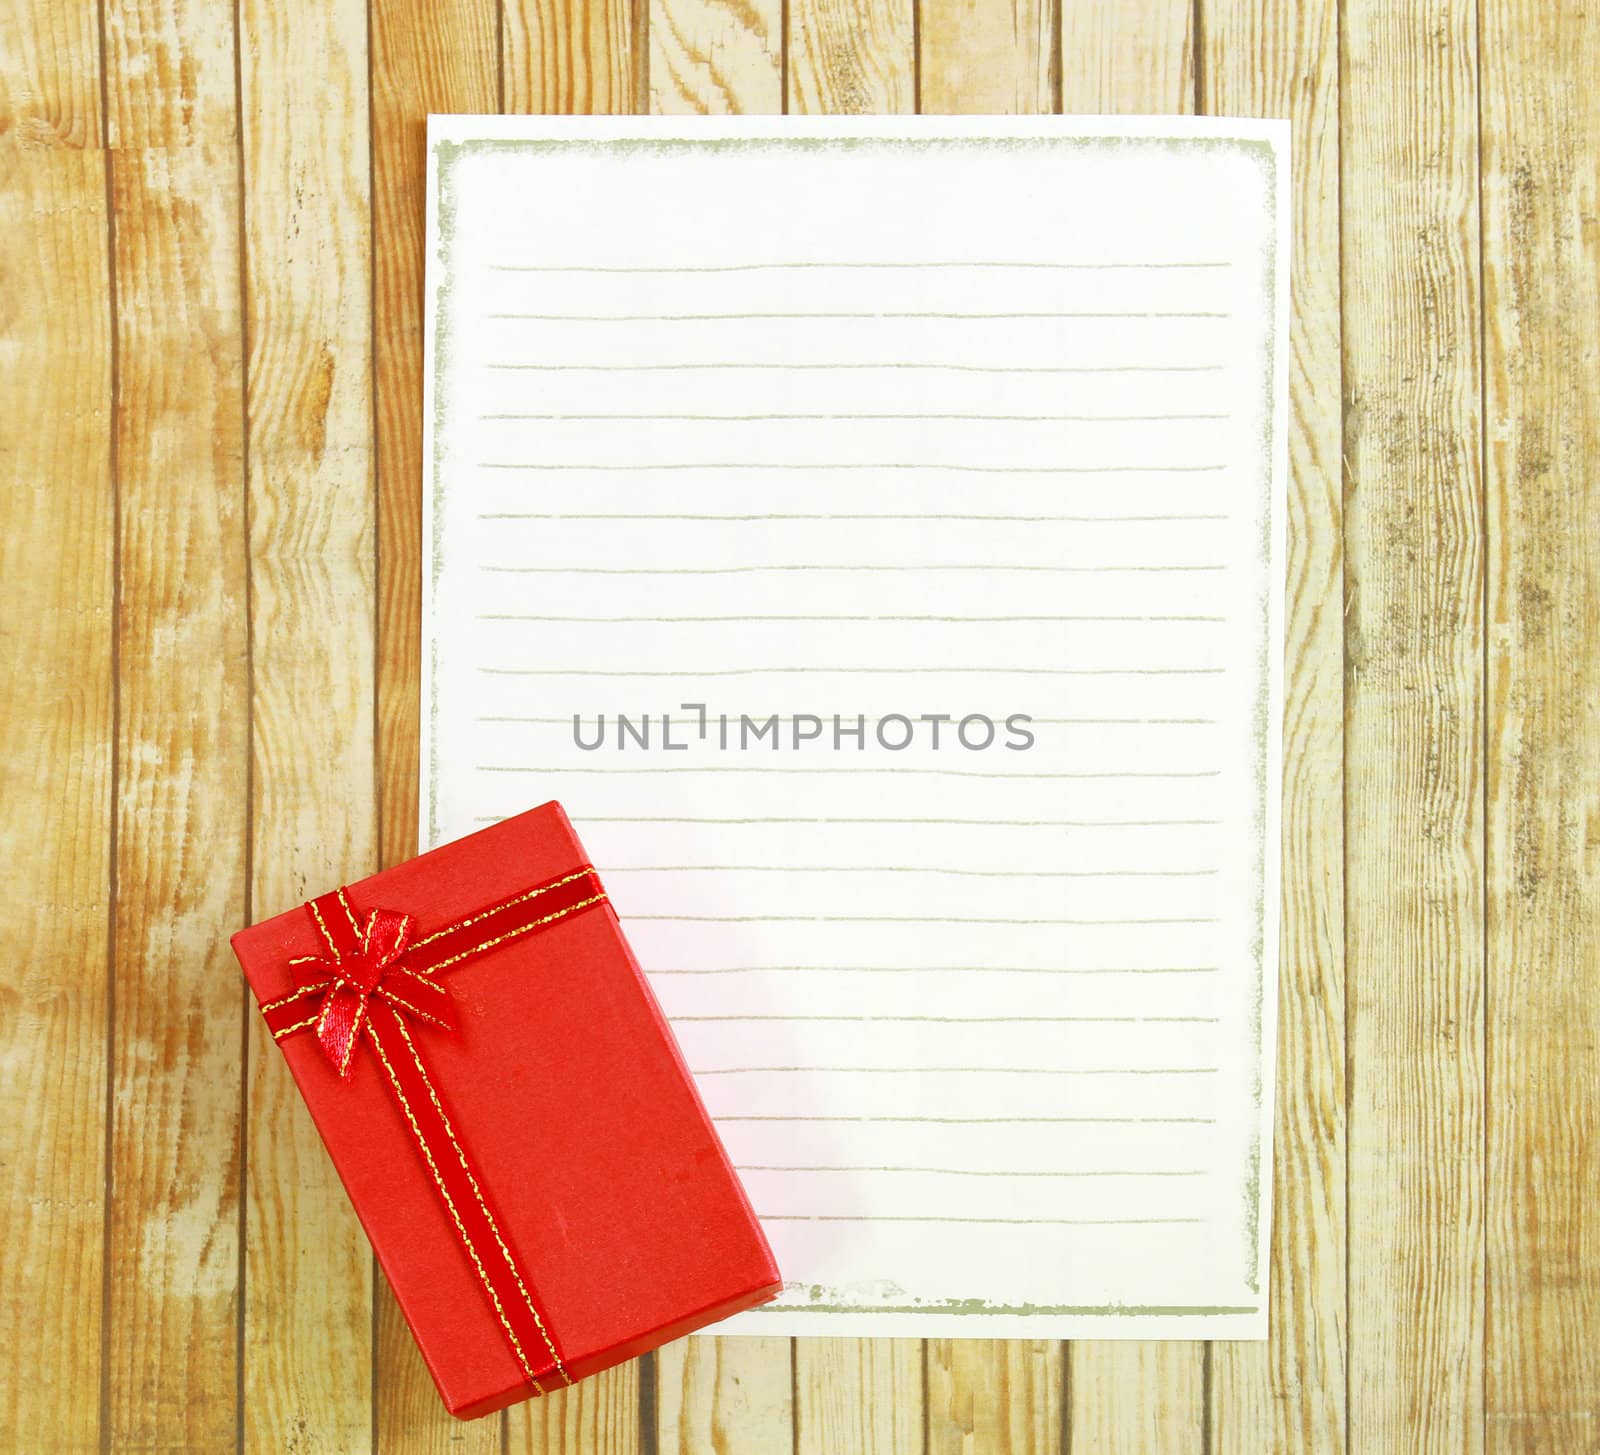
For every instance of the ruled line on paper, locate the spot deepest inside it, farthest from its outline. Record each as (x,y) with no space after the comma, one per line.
(939,969)
(767,1217)
(836,617)
(974,1020)
(982,1121)
(909,869)
(821,566)
(693,672)
(833,316)
(988,1172)
(746,365)
(898,266)
(1031,823)
(909,919)
(782,717)
(943,417)
(962,1070)
(547,467)
(896,770)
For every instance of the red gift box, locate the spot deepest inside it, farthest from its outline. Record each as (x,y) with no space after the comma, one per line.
(509,1113)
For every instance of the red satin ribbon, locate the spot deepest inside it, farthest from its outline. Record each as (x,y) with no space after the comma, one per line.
(376,977)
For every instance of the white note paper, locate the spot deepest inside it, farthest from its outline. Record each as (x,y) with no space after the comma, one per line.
(871,531)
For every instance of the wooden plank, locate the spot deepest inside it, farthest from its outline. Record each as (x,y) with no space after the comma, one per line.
(598,1416)
(733,1396)
(994,1394)
(182,731)
(857,1395)
(982,55)
(850,56)
(172,1320)
(707,57)
(308,1300)
(423,59)
(569,57)
(1135,1396)
(56,785)
(848,1395)
(987,56)
(1127,56)
(1541,138)
(170,84)
(1131,56)
(1280,58)
(1414,727)
(50,74)
(573,57)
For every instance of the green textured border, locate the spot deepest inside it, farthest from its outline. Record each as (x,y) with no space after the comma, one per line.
(446,154)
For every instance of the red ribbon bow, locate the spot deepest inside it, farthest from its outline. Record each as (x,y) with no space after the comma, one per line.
(352,979)
(375,978)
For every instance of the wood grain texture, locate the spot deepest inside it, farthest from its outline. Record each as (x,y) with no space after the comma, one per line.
(419,65)
(173,1290)
(981,55)
(50,74)
(1541,77)
(57,505)
(1131,57)
(172,1318)
(170,82)
(1134,1397)
(573,57)
(858,1397)
(851,56)
(308,1301)
(424,58)
(715,56)
(1280,58)
(987,55)
(1414,726)
(1140,1397)
(994,1395)
(599,1416)
(183,782)
(726,1396)
(569,57)
(850,1395)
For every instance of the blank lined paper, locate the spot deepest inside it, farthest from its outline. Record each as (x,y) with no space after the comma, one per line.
(870,530)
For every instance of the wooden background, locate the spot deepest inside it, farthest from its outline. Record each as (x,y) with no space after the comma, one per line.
(210,353)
